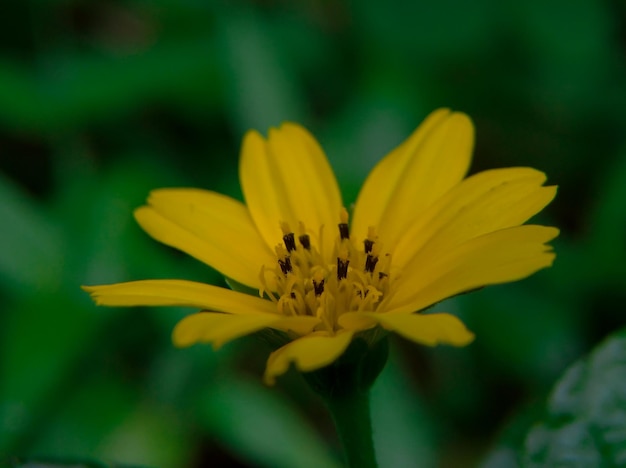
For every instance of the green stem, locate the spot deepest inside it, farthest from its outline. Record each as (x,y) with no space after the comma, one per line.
(344,386)
(352,420)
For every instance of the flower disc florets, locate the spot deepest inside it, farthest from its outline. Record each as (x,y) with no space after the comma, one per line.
(306,284)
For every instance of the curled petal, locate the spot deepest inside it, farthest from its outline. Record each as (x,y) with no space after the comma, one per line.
(307,354)
(216,328)
(426,329)
(299,324)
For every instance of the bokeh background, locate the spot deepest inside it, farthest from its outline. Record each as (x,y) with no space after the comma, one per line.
(101,101)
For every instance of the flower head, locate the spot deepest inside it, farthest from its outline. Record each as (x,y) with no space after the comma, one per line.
(420,232)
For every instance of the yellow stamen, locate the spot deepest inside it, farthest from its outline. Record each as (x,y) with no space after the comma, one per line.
(307,285)
(344,231)
(285,228)
(344,216)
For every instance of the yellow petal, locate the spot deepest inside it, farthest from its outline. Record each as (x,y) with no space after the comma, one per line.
(215,328)
(413,176)
(379,185)
(427,329)
(499,257)
(486,202)
(213,228)
(288,179)
(179,293)
(308,354)
(298,324)
(218,329)
(358,321)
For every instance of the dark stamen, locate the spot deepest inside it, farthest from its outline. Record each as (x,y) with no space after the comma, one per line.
(370,263)
(318,287)
(290,242)
(293,295)
(285,265)
(368,245)
(344,232)
(305,241)
(342,268)
(382,274)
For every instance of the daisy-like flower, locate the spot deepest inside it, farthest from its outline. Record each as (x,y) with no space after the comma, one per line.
(420,232)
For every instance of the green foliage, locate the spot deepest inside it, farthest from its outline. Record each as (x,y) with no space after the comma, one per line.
(585,423)
(260,426)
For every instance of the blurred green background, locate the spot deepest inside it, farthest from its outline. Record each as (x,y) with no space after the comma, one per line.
(101,101)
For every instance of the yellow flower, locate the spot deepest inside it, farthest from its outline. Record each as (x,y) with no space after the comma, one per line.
(420,233)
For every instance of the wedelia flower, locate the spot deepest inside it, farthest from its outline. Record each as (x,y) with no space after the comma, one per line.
(420,232)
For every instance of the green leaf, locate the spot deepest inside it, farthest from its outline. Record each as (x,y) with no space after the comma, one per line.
(93,86)
(260,87)
(586,415)
(404,432)
(258,425)
(42,339)
(31,245)
(504,317)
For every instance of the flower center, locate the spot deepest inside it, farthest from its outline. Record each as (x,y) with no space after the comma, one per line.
(306,284)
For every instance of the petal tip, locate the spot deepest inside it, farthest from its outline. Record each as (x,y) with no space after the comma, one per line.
(141,212)
(269,380)
(93,293)
(552,232)
(182,337)
(464,340)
